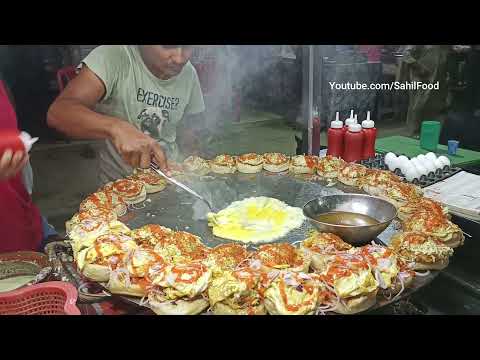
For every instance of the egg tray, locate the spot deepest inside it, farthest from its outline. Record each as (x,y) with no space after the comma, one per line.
(378,162)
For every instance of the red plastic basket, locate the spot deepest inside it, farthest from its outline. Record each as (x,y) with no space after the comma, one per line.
(49,298)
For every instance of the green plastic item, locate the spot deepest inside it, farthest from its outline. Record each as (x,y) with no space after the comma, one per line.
(430,135)
(411,147)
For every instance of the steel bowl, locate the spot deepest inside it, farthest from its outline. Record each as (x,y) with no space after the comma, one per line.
(381,210)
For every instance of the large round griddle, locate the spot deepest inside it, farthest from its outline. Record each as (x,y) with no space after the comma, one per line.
(177,209)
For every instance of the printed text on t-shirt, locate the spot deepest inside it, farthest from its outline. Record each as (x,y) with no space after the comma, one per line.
(152,99)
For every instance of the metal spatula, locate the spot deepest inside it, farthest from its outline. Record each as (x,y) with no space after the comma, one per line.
(155,168)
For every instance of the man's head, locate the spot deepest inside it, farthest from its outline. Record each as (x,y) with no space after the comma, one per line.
(166,61)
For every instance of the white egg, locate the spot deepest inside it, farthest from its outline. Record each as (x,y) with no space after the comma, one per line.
(411,173)
(389,157)
(415,173)
(415,161)
(421,157)
(405,166)
(393,164)
(423,160)
(402,162)
(421,170)
(402,158)
(431,156)
(430,165)
(445,161)
(438,164)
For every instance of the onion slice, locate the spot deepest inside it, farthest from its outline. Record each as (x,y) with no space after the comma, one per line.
(426,273)
(137,207)
(401,290)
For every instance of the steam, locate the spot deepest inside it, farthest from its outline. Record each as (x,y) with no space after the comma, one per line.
(235,69)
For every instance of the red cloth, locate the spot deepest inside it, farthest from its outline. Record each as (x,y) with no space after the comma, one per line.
(20,222)
(372,52)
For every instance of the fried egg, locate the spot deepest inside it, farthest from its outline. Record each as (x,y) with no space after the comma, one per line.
(255,220)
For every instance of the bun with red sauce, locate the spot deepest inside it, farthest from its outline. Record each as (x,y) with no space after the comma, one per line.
(322,247)
(131,277)
(292,293)
(224,164)
(279,256)
(106,253)
(275,162)
(423,252)
(350,279)
(131,191)
(329,166)
(236,293)
(179,289)
(303,164)
(250,163)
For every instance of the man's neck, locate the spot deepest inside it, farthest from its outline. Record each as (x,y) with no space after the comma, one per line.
(156,72)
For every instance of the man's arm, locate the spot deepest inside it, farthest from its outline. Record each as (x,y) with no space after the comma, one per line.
(72,114)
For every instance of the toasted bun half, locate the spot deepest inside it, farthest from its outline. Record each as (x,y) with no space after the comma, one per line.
(196,165)
(248,168)
(301,268)
(381,193)
(222,169)
(132,290)
(327,175)
(373,190)
(397,286)
(347,180)
(120,209)
(403,215)
(301,169)
(181,307)
(138,198)
(201,171)
(276,168)
(437,265)
(152,181)
(274,308)
(223,309)
(320,261)
(120,288)
(151,189)
(457,240)
(356,304)
(100,273)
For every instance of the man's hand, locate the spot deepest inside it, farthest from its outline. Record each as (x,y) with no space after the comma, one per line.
(137,148)
(11,164)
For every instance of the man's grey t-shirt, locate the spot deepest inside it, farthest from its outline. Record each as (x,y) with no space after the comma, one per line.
(134,94)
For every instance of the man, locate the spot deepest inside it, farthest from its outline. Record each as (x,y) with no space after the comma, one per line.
(134,97)
(428,64)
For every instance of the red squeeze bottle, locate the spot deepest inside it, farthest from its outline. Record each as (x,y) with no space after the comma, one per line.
(335,138)
(15,141)
(353,143)
(316,134)
(349,121)
(369,136)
